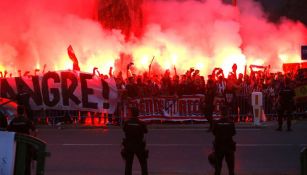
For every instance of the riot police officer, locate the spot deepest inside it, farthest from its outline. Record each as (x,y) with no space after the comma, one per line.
(285,104)
(3,121)
(134,143)
(21,124)
(224,146)
(209,101)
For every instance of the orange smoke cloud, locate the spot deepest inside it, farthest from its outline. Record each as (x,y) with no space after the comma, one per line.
(199,34)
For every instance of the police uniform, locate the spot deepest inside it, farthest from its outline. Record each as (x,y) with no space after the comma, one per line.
(285,106)
(22,99)
(209,101)
(3,121)
(224,146)
(134,144)
(23,125)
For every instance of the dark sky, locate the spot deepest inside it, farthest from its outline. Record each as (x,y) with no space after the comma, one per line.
(293,9)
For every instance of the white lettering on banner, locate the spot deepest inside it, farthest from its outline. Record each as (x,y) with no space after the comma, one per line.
(170,108)
(64,90)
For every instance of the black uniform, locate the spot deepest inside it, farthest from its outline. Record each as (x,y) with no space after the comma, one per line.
(209,100)
(23,125)
(224,146)
(23,100)
(285,106)
(134,144)
(3,121)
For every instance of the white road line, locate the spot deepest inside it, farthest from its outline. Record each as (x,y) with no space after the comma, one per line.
(167,129)
(263,145)
(199,129)
(185,145)
(88,144)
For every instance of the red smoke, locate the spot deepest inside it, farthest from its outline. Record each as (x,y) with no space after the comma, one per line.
(199,34)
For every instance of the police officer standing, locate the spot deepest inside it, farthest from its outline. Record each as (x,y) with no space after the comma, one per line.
(134,143)
(285,104)
(22,125)
(224,146)
(3,121)
(209,101)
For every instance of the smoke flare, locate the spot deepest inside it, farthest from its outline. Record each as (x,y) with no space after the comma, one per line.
(184,34)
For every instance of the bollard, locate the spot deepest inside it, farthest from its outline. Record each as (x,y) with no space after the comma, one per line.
(304,161)
(257,103)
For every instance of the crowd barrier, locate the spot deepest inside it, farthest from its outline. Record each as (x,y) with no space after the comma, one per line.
(170,108)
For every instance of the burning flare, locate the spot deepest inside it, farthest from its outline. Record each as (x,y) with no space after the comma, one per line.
(181,34)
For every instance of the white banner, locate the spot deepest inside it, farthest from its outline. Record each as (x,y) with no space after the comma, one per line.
(185,108)
(63,90)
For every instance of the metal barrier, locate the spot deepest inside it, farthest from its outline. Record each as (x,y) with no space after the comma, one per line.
(245,107)
(164,108)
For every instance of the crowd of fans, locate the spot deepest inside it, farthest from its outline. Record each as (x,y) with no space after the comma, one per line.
(240,85)
(235,88)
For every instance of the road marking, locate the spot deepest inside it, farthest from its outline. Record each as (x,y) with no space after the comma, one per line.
(199,129)
(184,145)
(263,145)
(88,144)
(158,129)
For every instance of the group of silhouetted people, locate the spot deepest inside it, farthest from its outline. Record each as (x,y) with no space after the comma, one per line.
(21,124)
(134,143)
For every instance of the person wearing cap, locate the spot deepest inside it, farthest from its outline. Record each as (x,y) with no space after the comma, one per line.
(224,146)
(134,143)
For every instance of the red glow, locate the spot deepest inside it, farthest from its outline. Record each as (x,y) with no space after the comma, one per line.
(199,34)
(91,120)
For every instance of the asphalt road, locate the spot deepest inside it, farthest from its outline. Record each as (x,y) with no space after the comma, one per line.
(174,150)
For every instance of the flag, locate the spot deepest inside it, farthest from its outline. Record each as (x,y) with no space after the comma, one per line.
(73,58)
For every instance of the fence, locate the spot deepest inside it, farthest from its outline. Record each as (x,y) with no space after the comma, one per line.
(170,108)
